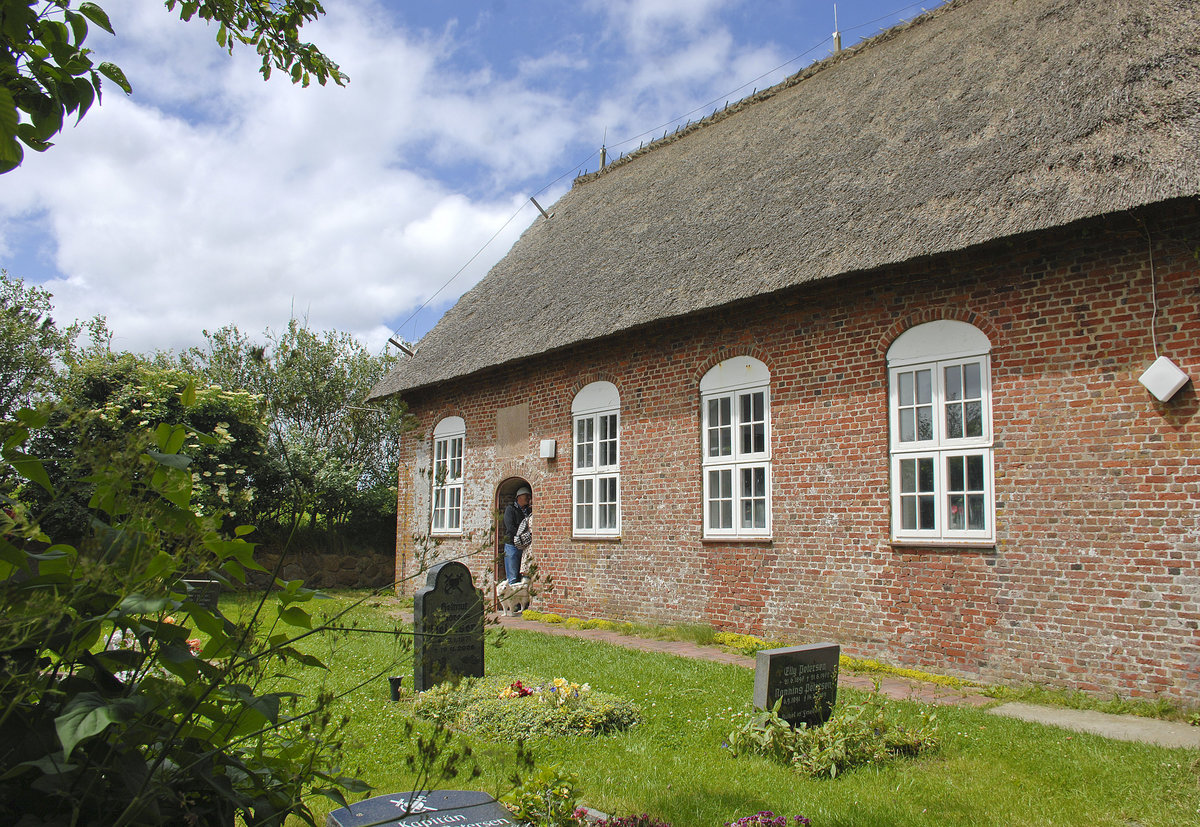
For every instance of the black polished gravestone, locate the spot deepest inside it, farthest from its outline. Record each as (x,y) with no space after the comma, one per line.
(447,627)
(203,591)
(453,808)
(802,678)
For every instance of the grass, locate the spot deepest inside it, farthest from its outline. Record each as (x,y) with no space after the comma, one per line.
(704,635)
(989,770)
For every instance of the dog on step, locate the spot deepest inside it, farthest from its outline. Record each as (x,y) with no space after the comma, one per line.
(514,597)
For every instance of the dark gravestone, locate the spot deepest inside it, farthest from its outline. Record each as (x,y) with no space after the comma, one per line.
(802,678)
(447,627)
(203,591)
(452,808)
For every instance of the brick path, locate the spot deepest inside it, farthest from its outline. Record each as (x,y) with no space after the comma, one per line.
(893,687)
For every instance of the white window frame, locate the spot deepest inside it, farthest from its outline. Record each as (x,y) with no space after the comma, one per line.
(933,349)
(449,463)
(596,461)
(728,470)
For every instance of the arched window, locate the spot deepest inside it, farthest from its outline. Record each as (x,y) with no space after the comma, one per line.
(596,467)
(448,439)
(735,407)
(940,406)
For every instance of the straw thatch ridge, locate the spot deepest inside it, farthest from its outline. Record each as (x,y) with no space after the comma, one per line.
(981,120)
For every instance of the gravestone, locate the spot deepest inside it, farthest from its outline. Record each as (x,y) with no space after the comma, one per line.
(203,591)
(459,808)
(447,627)
(803,678)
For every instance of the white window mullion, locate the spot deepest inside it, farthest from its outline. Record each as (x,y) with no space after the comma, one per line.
(736,449)
(941,435)
(595,488)
(449,443)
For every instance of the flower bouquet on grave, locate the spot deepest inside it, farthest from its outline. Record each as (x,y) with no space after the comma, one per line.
(560,693)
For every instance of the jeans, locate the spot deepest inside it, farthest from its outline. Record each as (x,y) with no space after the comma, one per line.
(512,563)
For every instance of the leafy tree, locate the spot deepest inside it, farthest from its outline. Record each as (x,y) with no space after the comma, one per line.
(31,344)
(123,700)
(47,74)
(331,459)
(106,396)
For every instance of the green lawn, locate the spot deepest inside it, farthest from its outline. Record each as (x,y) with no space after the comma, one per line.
(989,770)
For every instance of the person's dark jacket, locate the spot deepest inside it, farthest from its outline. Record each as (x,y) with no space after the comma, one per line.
(513,515)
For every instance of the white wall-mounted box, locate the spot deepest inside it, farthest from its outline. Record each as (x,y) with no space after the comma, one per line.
(1163,378)
(549,447)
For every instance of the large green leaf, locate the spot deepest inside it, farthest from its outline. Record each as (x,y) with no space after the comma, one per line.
(178,461)
(295,616)
(97,15)
(143,604)
(13,556)
(29,468)
(114,73)
(87,714)
(11,153)
(51,765)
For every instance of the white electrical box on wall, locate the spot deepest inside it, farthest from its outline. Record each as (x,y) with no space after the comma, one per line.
(1163,378)
(549,446)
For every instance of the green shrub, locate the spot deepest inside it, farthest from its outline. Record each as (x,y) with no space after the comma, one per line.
(123,700)
(476,705)
(547,798)
(857,734)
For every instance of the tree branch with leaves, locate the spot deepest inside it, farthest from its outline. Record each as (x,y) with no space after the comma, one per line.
(47,74)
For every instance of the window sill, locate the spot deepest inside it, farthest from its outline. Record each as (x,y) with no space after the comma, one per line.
(762,540)
(446,534)
(598,538)
(974,545)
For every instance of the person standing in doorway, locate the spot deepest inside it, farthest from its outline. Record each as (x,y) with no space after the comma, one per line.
(518,533)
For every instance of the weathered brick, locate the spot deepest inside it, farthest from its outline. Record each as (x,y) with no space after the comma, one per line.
(1096,482)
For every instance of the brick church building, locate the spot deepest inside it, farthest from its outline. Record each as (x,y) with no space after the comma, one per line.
(859,359)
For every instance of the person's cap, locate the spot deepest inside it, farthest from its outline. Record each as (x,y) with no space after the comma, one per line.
(523,490)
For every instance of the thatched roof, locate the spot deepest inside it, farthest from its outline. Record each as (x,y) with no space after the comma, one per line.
(980,120)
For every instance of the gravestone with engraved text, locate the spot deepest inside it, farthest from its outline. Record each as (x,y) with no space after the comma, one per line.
(802,678)
(453,808)
(447,627)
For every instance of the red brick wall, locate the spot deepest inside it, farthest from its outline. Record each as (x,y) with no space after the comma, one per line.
(1094,581)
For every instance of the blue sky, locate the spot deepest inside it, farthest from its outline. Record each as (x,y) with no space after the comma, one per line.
(210,197)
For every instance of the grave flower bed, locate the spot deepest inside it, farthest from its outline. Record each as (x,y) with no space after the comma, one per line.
(506,707)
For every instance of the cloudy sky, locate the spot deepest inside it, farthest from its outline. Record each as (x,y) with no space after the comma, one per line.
(209,197)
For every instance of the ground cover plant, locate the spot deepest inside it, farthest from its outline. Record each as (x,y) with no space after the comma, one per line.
(987,770)
(510,707)
(856,734)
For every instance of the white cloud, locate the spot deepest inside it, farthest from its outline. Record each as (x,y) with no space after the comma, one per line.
(210,197)
(290,201)
(647,24)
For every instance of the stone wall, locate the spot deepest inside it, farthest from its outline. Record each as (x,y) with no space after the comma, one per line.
(333,569)
(1094,579)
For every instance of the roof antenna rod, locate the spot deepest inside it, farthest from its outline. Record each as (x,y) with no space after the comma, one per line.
(539,206)
(837,36)
(603,150)
(402,346)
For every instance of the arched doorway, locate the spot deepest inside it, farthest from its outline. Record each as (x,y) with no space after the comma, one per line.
(506,492)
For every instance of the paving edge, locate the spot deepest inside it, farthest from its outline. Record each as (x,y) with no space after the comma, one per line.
(1119,727)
